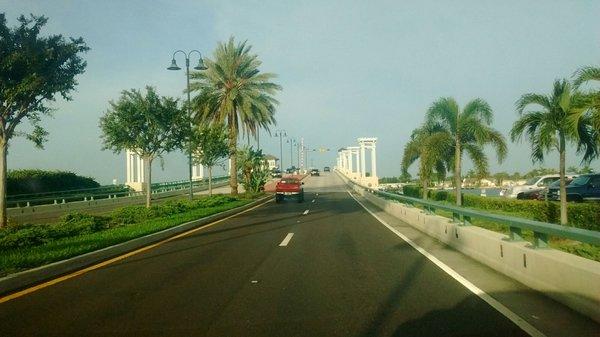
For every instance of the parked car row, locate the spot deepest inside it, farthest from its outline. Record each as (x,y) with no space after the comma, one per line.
(579,188)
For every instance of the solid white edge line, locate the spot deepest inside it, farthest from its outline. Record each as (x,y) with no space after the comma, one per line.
(305,212)
(286,240)
(520,322)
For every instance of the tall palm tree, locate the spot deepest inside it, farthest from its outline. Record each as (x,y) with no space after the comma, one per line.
(470,130)
(233,91)
(549,126)
(432,147)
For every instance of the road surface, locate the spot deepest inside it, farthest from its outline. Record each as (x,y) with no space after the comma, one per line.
(325,267)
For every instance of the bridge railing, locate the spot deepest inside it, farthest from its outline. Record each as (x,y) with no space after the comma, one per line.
(541,230)
(103,192)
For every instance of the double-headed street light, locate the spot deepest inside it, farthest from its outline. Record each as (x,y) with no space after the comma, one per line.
(280,134)
(200,66)
(292,142)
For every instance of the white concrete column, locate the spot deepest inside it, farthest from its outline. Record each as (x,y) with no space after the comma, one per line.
(140,167)
(373,162)
(350,162)
(197,172)
(362,160)
(128,166)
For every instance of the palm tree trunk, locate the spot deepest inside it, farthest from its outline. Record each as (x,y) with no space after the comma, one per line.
(563,186)
(233,182)
(425,183)
(210,180)
(457,168)
(3,149)
(148,168)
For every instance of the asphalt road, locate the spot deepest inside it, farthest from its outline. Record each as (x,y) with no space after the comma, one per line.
(341,273)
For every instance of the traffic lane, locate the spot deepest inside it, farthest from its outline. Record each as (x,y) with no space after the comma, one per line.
(176,288)
(344,274)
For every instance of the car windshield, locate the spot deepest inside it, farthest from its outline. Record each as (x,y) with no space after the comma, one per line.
(556,183)
(289,181)
(580,181)
(532,181)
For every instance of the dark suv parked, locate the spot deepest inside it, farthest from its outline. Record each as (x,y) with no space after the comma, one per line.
(584,187)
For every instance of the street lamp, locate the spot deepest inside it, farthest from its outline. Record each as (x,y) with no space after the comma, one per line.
(292,142)
(200,66)
(280,134)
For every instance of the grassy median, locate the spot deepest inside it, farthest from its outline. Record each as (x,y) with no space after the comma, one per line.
(28,246)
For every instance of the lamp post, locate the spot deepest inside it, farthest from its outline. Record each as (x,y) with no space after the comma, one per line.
(200,66)
(292,142)
(280,134)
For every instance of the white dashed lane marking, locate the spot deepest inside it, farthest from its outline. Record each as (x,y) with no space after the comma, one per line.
(286,240)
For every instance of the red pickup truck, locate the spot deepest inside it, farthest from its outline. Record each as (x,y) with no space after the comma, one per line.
(289,187)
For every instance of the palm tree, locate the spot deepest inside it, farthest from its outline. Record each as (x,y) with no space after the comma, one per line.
(431,146)
(233,91)
(549,126)
(470,132)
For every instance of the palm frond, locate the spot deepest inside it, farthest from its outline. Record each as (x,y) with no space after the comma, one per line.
(444,111)
(586,74)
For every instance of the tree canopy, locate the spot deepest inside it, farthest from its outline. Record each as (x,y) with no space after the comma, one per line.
(148,125)
(34,69)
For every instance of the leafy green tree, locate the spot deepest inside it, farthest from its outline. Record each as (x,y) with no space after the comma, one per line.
(470,130)
(548,127)
(34,70)
(253,169)
(233,91)
(148,125)
(500,177)
(405,177)
(209,144)
(431,146)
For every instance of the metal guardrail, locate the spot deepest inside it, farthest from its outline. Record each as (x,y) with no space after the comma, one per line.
(118,191)
(541,230)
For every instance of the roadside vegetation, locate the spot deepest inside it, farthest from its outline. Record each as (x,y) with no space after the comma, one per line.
(28,246)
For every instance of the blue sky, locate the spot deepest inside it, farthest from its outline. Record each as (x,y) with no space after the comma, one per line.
(348,68)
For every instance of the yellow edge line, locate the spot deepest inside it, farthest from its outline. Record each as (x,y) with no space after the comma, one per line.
(115,259)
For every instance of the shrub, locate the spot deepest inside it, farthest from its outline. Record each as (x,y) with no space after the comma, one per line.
(40,181)
(412,191)
(71,224)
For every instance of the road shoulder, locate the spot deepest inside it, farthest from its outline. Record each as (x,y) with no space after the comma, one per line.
(545,314)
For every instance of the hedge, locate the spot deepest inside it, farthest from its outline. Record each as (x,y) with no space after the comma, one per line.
(582,215)
(40,181)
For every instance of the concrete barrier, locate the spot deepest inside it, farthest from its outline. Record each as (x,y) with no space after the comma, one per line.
(567,278)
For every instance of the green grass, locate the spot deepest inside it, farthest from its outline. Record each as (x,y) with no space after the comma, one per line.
(20,258)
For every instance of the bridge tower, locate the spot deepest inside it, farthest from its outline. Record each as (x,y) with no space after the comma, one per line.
(135,175)
(368,144)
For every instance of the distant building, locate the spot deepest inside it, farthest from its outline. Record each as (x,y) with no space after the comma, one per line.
(271,161)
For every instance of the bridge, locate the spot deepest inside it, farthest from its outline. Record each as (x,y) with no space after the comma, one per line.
(349,261)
